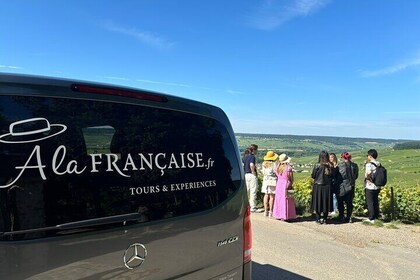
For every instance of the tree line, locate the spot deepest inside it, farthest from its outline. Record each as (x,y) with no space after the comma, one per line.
(407,145)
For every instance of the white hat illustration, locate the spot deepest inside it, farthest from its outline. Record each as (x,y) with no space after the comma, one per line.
(41,129)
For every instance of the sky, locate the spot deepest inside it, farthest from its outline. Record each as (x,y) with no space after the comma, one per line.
(297,67)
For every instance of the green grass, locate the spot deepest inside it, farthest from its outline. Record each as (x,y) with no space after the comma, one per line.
(298,146)
(98,140)
(391,226)
(403,166)
(377,223)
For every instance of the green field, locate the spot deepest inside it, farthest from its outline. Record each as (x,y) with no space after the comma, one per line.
(310,145)
(98,139)
(403,165)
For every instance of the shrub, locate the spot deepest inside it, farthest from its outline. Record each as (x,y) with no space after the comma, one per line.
(303,193)
(406,200)
(385,204)
(359,201)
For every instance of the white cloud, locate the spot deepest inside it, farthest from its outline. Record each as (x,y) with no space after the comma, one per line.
(116,78)
(403,113)
(235,92)
(299,123)
(413,62)
(172,84)
(229,91)
(11,67)
(273,14)
(142,36)
(163,83)
(388,129)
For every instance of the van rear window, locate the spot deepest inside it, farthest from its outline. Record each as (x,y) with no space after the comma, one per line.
(65,162)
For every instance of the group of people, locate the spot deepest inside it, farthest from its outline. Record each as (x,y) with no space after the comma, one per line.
(338,180)
(276,185)
(333,188)
(333,180)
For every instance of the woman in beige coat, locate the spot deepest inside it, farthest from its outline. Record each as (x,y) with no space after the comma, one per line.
(269,182)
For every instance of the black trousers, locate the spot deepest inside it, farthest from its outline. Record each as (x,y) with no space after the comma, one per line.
(348,200)
(372,201)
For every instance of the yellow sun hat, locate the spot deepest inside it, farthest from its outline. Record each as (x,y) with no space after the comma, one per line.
(271,156)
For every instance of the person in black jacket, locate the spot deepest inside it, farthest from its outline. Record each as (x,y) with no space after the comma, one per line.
(321,190)
(335,181)
(349,172)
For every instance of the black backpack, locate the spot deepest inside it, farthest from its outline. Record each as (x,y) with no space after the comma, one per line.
(379,177)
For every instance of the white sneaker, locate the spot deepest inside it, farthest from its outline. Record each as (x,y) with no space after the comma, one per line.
(259,210)
(369,221)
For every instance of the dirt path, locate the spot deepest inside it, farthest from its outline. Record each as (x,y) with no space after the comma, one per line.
(303,249)
(361,235)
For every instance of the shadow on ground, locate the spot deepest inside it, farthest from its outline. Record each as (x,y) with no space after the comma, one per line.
(268,272)
(331,220)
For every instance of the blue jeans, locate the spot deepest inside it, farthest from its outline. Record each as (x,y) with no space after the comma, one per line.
(335,202)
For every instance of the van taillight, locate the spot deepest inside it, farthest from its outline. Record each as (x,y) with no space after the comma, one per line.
(247,235)
(119,92)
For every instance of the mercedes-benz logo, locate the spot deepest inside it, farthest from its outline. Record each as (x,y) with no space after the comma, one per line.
(135,255)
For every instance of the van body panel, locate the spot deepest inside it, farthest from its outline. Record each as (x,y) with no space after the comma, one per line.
(98,186)
(172,250)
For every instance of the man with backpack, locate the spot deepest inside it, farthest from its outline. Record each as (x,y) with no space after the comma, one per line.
(375,178)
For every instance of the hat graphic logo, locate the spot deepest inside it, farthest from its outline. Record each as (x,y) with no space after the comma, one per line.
(31,130)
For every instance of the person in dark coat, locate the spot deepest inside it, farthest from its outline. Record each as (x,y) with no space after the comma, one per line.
(349,172)
(321,191)
(335,181)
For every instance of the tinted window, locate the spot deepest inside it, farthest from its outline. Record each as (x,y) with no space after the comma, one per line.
(66,161)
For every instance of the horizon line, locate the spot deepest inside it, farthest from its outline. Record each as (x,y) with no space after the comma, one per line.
(328,136)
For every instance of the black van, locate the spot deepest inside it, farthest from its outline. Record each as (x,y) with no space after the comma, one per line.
(107,182)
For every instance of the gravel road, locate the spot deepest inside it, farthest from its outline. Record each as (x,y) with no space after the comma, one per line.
(305,250)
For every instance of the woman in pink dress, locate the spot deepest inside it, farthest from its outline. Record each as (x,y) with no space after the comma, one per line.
(284,205)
